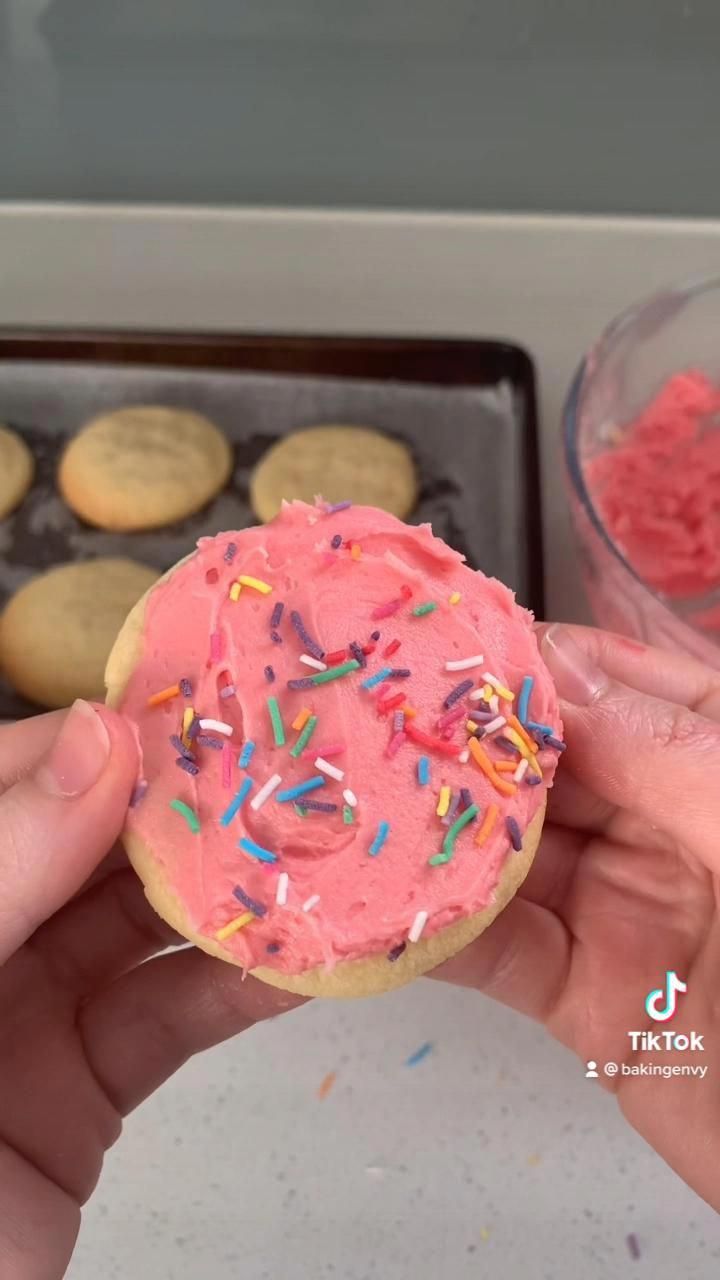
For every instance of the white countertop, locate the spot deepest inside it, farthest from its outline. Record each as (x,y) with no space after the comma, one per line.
(494,1156)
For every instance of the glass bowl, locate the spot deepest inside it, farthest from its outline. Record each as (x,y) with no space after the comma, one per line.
(675,331)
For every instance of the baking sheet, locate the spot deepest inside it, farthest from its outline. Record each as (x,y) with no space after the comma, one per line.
(467,443)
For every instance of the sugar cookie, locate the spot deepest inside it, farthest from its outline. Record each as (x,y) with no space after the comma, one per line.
(17,468)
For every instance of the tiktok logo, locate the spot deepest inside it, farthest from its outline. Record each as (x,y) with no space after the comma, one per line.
(669,993)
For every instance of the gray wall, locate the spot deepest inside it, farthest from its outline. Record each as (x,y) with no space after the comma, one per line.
(580,105)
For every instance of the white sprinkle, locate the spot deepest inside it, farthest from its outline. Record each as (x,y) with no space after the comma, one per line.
(265,792)
(494,725)
(464,664)
(477,695)
(492,680)
(464,756)
(417,926)
(494,704)
(521,770)
(218,725)
(330,769)
(313,662)
(350,798)
(281,892)
(311,902)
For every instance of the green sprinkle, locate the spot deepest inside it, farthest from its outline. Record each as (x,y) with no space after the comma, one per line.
(334,673)
(188,814)
(277,724)
(301,811)
(305,737)
(421,609)
(347,815)
(448,848)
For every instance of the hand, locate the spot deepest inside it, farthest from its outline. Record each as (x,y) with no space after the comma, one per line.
(625,886)
(87,1030)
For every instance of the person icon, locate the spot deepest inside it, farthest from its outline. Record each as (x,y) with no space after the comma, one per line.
(591,1073)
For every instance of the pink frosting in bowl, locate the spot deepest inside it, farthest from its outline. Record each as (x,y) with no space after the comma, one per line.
(283,883)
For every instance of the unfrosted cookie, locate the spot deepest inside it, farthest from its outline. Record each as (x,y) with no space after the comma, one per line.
(346,756)
(340,462)
(17,468)
(143,467)
(57,630)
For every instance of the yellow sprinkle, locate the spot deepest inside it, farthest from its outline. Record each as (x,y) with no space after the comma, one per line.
(355,551)
(443,802)
(488,692)
(235,590)
(164,695)
(233,925)
(455,598)
(188,715)
(301,719)
(470,726)
(484,1233)
(517,741)
(535,766)
(257,584)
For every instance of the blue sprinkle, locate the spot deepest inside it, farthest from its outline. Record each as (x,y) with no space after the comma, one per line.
(257,851)
(246,754)
(524,698)
(331,509)
(419,1054)
(423,770)
(236,802)
(376,679)
(257,908)
(292,793)
(539,728)
(382,835)
(514,833)
(269,675)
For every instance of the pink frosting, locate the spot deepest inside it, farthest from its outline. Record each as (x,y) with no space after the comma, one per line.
(366,904)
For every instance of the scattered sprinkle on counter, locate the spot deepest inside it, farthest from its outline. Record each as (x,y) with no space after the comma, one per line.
(420,1054)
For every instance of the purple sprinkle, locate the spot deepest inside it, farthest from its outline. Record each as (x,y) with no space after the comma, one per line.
(458,692)
(312,647)
(257,908)
(337,506)
(514,833)
(375,635)
(532,780)
(177,742)
(139,792)
(506,745)
(452,810)
(204,740)
(481,717)
(276,615)
(187,765)
(305,682)
(230,552)
(633,1245)
(465,797)
(269,675)
(555,743)
(321,806)
(185,687)
(272,948)
(396,952)
(398,721)
(193,728)
(228,691)
(336,541)
(402,673)
(276,639)
(357,653)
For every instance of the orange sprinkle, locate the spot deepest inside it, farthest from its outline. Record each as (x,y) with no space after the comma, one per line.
(326,1085)
(164,695)
(522,731)
(484,762)
(301,719)
(487,824)
(505,766)
(409,711)
(355,551)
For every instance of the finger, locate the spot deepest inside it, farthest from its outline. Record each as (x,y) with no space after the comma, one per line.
(523,960)
(23,744)
(672,677)
(99,935)
(554,867)
(144,1027)
(57,823)
(644,754)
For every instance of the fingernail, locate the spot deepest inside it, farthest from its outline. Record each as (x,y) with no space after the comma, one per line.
(577,678)
(78,755)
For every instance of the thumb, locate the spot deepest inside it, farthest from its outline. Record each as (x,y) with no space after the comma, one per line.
(58,822)
(647,755)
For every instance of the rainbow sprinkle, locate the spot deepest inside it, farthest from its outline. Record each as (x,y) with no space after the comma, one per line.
(276,721)
(257,584)
(164,695)
(448,847)
(334,673)
(246,754)
(488,822)
(524,698)
(382,834)
(458,692)
(257,908)
(514,833)
(269,675)
(423,771)
(292,793)
(265,792)
(276,615)
(443,803)
(419,1055)
(347,815)
(256,850)
(455,598)
(308,730)
(311,645)
(234,925)
(421,610)
(377,678)
(187,813)
(226,765)
(301,719)
(236,802)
